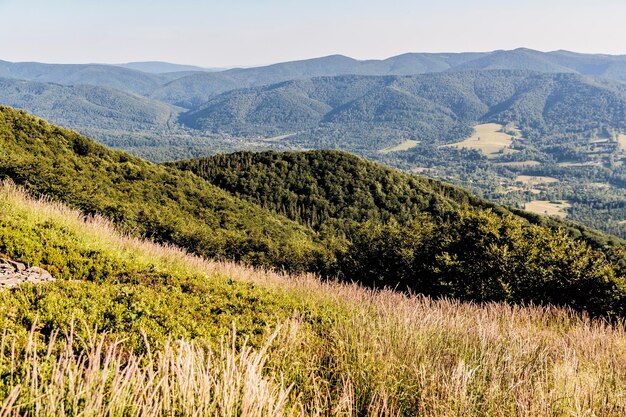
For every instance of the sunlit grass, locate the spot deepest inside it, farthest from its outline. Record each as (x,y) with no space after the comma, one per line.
(326,349)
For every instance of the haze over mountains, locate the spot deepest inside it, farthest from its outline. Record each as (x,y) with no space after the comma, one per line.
(160,67)
(565,113)
(431,108)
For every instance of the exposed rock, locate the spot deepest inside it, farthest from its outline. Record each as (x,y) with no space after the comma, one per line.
(15,273)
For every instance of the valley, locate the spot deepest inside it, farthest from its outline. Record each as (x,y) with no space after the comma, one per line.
(479,129)
(489,139)
(276,209)
(128,277)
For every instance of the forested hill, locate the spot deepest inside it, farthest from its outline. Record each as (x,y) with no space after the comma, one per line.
(162,203)
(86,107)
(406,231)
(324,187)
(192,90)
(421,236)
(355,112)
(320,188)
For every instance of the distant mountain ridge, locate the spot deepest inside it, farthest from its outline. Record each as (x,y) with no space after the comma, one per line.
(190,91)
(85,107)
(161,67)
(432,108)
(189,86)
(124,79)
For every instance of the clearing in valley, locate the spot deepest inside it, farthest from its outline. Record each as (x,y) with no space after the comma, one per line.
(533,180)
(407,144)
(489,138)
(621,138)
(549,208)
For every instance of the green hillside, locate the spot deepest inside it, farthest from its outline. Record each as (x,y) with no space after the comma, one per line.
(403,231)
(358,220)
(369,113)
(133,328)
(146,199)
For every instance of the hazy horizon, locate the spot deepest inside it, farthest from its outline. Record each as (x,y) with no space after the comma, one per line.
(213,34)
(290,60)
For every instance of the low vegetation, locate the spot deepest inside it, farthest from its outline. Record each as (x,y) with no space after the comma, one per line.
(177,334)
(549,208)
(488,139)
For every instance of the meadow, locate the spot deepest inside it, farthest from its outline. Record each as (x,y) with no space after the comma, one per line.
(488,138)
(548,208)
(405,145)
(534,180)
(622,141)
(240,341)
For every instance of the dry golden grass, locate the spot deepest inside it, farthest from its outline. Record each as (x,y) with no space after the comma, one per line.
(407,144)
(534,180)
(621,138)
(381,354)
(488,138)
(548,208)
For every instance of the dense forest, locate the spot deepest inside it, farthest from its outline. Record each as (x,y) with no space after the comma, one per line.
(421,232)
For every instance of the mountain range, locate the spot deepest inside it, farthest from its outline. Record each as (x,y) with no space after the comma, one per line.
(564,113)
(431,108)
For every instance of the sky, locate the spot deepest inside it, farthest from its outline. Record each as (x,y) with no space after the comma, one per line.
(254,32)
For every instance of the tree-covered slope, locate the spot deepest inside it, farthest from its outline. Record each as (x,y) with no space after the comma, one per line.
(163,203)
(389,228)
(111,76)
(371,112)
(85,107)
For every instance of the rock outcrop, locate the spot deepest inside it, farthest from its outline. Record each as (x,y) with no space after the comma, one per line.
(15,273)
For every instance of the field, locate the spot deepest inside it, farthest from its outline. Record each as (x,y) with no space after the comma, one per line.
(487,138)
(534,180)
(518,164)
(279,137)
(622,142)
(407,144)
(579,164)
(269,344)
(548,208)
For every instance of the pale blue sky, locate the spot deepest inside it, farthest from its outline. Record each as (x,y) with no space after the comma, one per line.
(247,32)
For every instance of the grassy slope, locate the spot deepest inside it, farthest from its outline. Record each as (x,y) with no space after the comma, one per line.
(339,350)
(147,199)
